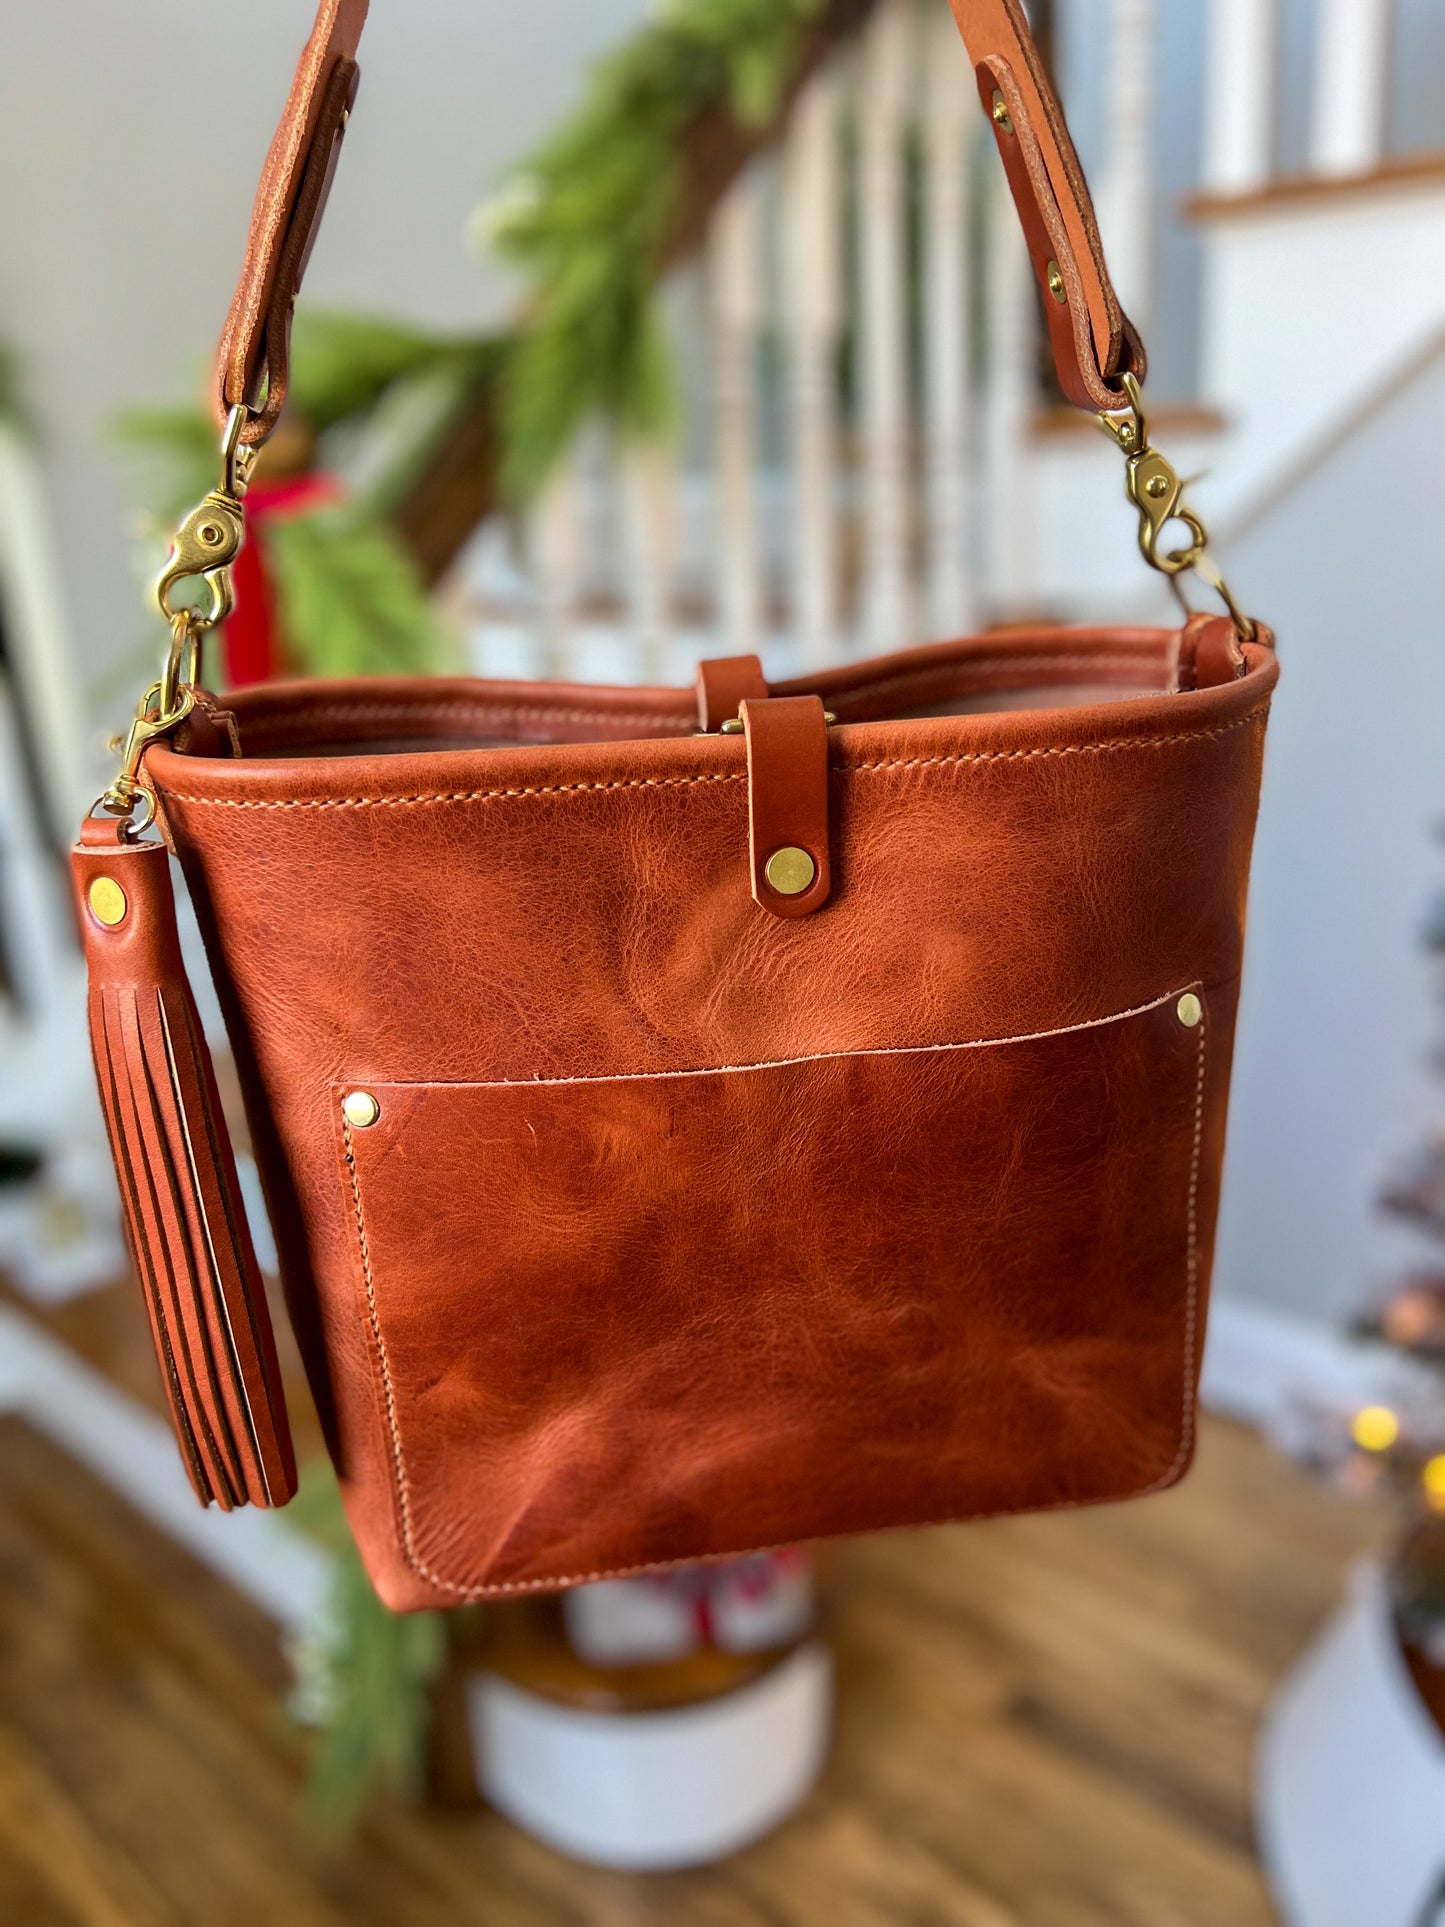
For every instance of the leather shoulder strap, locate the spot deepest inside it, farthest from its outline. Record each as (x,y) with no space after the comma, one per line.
(252,364)
(1093,343)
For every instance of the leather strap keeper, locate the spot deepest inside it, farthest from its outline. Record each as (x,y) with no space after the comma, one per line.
(723,685)
(787,739)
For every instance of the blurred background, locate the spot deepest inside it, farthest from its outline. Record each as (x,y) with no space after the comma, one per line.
(728,344)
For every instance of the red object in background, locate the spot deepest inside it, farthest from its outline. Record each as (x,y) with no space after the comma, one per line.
(253,638)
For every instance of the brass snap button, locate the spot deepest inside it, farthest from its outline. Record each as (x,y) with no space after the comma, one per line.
(1189,1010)
(360,1109)
(790,871)
(107,901)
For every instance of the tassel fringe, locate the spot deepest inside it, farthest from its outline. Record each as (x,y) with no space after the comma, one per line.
(187,1230)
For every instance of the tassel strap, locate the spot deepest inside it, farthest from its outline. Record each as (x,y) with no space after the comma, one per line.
(181,1201)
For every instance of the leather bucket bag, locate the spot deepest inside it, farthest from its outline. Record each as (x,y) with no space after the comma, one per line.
(690,1121)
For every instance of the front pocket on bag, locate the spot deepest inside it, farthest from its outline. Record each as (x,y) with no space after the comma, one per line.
(618,1321)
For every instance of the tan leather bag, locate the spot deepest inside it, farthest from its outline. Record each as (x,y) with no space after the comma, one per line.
(689,1124)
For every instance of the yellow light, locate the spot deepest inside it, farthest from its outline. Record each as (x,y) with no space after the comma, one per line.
(1375,1429)
(1433,1477)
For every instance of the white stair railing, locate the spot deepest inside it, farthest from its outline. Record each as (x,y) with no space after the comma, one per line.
(812,325)
(1239,100)
(1125,190)
(914,500)
(951,134)
(855,531)
(735,304)
(1347,130)
(883,360)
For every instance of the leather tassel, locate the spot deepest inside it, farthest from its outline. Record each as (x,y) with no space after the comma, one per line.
(181,1202)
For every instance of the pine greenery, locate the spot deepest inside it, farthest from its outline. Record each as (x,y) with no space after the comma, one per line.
(585,220)
(366,1685)
(353,602)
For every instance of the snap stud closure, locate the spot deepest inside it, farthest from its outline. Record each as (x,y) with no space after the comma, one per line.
(360,1109)
(1189,1010)
(107,901)
(790,871)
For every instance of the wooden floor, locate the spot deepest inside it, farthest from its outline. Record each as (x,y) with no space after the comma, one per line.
(1042,1721)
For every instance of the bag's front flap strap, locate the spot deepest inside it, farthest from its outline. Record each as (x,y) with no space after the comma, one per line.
(1093,343)
(253,362)
(788,804)
(179,1195)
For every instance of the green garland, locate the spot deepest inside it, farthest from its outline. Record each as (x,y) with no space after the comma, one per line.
(364,1683)
(587,218)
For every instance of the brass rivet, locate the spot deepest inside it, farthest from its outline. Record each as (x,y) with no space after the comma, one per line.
(1189,1010)
(107,900)
(1002,118)
(1157,487)
(790,871)
(1056,283)
(360,1109)
(211,535)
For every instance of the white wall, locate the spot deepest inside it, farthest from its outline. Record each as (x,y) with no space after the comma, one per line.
(1331,1082)
(131,138)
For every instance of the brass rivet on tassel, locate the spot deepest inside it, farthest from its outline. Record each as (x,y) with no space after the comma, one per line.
(1189,1010)
(360,1109)
(107,901)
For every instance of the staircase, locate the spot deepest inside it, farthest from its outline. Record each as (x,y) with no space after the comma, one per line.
(869,453)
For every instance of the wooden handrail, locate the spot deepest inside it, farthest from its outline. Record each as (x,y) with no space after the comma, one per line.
(456,488)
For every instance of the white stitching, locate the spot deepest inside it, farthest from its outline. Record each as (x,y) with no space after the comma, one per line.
(679,782)
(261,723)
(1187,1420)
(815,1057)
(403,1490)
(1187,1435)
(455,796)
(1066,749)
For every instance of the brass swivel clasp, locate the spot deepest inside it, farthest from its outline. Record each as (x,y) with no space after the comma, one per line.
(1153,485)
(205,546)
(154,717)
(203,549)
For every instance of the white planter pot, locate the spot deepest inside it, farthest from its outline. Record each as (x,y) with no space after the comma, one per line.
(1350,1780)
(651,1790)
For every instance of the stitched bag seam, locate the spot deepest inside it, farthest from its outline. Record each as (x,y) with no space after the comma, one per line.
(337,712)
(412,1554)
(996,665)
(720,776)
(360,709)
(787,1063)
